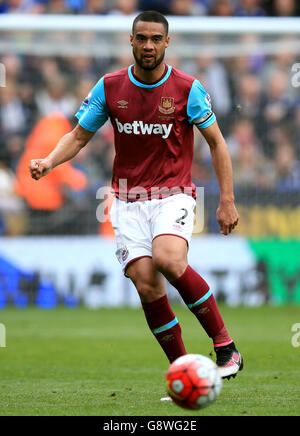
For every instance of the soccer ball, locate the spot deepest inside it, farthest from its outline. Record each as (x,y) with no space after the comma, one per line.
(193,381)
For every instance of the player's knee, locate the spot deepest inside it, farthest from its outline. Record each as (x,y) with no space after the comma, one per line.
(148,293)
(170,266)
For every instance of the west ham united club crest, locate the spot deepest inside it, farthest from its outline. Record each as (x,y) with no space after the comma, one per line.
(167,105)
(125,253)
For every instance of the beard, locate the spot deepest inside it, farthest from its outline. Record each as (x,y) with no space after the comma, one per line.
(148,67)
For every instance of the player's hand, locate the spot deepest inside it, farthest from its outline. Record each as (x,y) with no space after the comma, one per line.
(227,217)
(39,168)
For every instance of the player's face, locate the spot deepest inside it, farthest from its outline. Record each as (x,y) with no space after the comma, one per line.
(149,42)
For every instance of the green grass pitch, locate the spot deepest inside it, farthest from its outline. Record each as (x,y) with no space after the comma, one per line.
(107,363)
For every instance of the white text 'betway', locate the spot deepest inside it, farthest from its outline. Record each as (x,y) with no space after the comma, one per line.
(139,127)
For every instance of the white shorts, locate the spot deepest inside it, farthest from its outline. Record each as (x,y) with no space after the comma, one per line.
(137,223)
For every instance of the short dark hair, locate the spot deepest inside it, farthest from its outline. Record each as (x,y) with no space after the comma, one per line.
(151,17)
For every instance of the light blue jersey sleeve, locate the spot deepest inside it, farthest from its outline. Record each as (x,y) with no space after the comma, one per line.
(199,110)
(93,111)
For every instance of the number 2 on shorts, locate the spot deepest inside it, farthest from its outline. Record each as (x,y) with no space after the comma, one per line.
(180,220)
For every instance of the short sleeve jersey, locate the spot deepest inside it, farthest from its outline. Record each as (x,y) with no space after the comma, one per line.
(153,130)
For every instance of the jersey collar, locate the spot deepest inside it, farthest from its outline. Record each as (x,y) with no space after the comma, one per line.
(144,85)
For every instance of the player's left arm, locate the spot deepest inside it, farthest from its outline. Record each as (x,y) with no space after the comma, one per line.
(200,113)
(227,214)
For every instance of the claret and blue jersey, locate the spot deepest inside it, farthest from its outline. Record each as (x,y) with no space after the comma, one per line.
(153,127)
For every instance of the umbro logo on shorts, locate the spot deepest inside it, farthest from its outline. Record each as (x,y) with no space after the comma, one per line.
(141,128)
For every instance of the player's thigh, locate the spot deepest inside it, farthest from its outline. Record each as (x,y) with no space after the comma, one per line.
(170,255)
(174,215)
(172,232)
(132,231)
(149,282)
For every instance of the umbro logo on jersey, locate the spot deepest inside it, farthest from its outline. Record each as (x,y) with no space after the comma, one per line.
(122,104)
(141,128)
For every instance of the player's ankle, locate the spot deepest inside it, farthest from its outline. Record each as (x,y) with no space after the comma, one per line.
(229,344)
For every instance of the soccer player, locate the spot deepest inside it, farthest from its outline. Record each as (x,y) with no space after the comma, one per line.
(153,108)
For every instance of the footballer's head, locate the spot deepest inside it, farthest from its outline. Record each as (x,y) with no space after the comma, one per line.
(149,39)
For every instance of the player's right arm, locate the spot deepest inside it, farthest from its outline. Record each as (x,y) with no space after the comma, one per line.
(67,148)
(92,114)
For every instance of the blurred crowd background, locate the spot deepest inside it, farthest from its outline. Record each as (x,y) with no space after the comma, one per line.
(240,8)
(253,96)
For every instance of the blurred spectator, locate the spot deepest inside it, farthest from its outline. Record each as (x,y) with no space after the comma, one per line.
(284,8)
(96,7)
(125,7)
(12,217)
(276,107)
(285,57)
(161,6)
(14,148)
(287,167)
(57,7)
(27,97)
(248,98)
(202,169)
(55,97)
(216,80)
(222,8)
(83,88)
(12,112)
(253,47)
(23,6)
(297,128)
(186,7)
(48,68)
(3,7)
(250,167)
(213,76)
(242,137)
(13,66)
(283,60)
(48,195)
(83,67)
(249,8)
(76,6)
(239,66)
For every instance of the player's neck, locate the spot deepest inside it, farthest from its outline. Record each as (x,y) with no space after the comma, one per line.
(149,76)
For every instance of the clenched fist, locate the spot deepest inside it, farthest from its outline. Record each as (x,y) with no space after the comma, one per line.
(227,217)
(39,168)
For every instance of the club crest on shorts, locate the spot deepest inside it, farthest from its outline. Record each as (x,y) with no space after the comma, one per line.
(167,105)
(122,254)
(125,253)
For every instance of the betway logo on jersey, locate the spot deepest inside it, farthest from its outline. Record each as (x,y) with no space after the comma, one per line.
(141,128)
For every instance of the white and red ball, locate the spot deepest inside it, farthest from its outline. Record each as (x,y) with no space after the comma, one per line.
(193,381)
